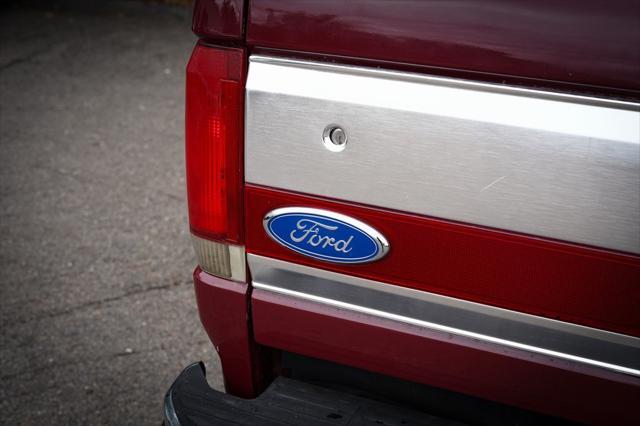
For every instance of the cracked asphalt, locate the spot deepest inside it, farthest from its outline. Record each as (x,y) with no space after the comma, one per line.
(97,307)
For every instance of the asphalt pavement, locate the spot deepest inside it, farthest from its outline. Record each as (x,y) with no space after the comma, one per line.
(97,307)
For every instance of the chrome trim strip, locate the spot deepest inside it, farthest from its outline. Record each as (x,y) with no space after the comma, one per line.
(571,342)
(548,164)
(446,82)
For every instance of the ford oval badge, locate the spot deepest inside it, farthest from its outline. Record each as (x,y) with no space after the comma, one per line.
(325,235)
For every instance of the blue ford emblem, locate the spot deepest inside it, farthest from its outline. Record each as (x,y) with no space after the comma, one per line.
(325,235)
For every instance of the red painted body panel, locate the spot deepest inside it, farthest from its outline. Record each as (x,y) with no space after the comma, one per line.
(404,351)
(218,19)
(223,308)
(582,46)
(590,43)
(541,277)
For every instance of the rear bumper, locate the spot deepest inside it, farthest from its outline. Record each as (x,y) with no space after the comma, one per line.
(190,401)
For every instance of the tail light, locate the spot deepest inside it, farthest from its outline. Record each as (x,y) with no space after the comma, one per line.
(214,132)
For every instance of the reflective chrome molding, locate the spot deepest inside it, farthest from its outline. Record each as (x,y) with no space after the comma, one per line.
(533,334)
(553,165)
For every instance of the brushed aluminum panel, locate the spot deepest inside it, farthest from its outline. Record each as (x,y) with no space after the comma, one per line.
(552,165)
(533,334)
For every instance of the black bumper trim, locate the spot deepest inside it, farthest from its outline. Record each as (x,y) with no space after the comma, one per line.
(190,401)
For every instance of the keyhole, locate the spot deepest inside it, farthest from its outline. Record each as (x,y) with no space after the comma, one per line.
(334,138)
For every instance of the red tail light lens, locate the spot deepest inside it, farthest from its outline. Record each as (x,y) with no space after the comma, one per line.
(214,131)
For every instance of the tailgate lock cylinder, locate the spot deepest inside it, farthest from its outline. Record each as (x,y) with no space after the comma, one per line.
(334,138)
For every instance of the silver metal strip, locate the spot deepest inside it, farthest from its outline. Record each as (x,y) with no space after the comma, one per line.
(533,334)
(547,164)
